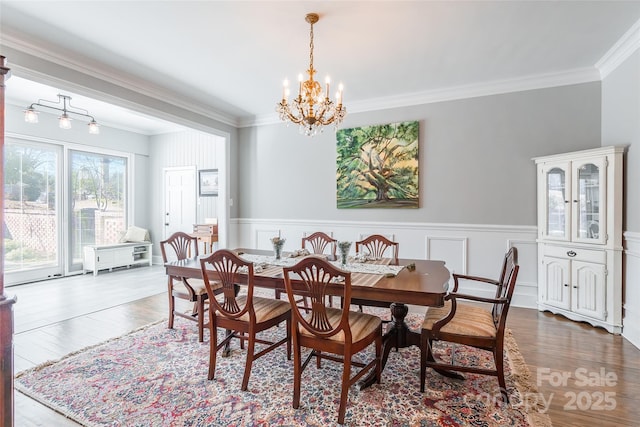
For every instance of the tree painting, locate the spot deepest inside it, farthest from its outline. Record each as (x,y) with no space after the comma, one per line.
(377,166)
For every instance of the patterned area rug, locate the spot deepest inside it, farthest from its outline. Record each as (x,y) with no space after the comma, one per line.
(158,377)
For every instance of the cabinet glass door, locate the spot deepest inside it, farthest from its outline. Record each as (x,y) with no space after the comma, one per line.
(589,201)
(557,203)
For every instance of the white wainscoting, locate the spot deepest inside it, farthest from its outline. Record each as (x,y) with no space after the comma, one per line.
(631,306)
(466,248)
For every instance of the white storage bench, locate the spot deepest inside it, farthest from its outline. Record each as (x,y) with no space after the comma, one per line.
(102,257)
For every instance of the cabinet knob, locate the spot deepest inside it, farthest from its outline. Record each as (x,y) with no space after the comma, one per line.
(575,286)
(566,285)
(166,223)
(571,254)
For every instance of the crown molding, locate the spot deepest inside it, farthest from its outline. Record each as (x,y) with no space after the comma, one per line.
(154,92)
(620,51)
(497,87)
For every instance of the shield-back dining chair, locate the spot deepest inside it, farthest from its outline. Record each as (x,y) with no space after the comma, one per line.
(238,311)
(377,246)
(181,246)
(331,333)
(317,243)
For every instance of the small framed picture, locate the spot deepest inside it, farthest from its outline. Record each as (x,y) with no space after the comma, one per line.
(208,182)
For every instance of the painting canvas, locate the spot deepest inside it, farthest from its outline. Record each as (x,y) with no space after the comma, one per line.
(377,166)
(208,182)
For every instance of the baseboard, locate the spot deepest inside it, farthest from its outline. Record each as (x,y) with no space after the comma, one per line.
(631,330)
(631,306)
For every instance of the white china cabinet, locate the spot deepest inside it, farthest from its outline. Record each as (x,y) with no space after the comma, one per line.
(580,235)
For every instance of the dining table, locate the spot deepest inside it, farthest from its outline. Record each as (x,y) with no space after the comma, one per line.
(413,282)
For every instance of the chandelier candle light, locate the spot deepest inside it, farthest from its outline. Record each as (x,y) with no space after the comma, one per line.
(31,115)
(312,108)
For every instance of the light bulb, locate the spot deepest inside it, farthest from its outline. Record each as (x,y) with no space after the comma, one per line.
(94,129)
(30,115)
(64,121)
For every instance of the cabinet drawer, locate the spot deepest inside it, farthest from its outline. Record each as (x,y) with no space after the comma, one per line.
(587,255)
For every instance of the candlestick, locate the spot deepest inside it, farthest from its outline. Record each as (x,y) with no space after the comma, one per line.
(327,80)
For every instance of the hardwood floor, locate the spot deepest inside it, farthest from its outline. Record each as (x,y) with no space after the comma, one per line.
(551,345)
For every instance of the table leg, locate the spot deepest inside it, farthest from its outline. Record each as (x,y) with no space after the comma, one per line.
(398,335)
(226,352)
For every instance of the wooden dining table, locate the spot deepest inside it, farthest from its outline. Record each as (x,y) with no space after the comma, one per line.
(420,282)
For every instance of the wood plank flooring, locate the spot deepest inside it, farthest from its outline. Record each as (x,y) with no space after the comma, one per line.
(550,344)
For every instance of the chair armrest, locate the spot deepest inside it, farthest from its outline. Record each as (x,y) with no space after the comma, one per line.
(455,296)
(457,277)
(437,325)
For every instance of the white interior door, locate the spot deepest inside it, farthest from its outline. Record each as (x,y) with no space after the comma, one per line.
(179,200)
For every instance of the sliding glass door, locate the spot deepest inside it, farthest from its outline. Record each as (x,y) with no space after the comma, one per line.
(47,219)
(32,214)
(98,184)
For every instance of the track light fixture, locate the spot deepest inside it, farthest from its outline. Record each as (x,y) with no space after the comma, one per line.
(64,121)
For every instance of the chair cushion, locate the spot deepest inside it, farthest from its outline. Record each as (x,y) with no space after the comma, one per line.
(265,308)
(361,324)
(197,285)
(468,320)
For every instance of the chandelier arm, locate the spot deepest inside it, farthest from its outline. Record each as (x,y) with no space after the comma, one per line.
(296,120)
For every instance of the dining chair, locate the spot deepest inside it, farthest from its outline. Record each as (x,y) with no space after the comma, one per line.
(316,243)
(471,325)
(183,246)
(238,311)
(331,333)
(377,246)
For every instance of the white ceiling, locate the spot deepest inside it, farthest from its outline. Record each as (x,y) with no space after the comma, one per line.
(230,57)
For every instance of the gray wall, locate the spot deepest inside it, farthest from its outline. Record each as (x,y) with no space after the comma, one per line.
(621,126)
(475,158)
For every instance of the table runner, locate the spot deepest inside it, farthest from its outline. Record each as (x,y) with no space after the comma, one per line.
(363,273)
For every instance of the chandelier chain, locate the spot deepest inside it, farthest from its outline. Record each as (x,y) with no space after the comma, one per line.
(311,49)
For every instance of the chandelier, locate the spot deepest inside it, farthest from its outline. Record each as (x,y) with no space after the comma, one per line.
(64,120)
(312,108)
